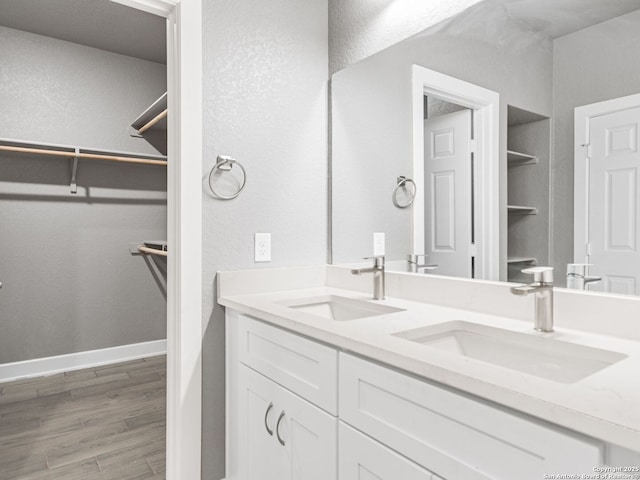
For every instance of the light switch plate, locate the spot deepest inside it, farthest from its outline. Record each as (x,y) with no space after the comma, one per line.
(262,245)
(378,243)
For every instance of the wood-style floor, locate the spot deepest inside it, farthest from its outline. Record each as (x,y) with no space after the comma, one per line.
(103,423)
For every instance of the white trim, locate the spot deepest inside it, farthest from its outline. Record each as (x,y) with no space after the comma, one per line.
(184,233)
(582,118)
(39,367)
(184,266)
(486,106)
(162,8)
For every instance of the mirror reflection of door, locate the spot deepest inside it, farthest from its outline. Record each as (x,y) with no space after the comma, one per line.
(612,201)
(448,190)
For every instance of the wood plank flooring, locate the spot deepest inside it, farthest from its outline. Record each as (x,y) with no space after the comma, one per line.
(103,423)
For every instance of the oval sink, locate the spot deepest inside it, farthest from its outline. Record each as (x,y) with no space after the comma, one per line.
(335,307)
(543,357)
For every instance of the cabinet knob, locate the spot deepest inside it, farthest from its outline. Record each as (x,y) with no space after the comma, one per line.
(266,417)
(278,428)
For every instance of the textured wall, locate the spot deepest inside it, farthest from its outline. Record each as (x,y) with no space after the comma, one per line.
(360,28)
(371,120)
(595,64)
(265,82)
(70,283)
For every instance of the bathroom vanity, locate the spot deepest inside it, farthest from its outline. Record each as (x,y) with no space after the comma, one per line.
(445,379)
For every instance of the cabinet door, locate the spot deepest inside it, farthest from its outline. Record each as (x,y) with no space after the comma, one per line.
(283,437)
(262,457)
(362,458)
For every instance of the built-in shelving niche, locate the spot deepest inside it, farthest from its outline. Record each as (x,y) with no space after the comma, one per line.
(528,155)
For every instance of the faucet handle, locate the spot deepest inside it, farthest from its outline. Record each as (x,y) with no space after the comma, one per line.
(378,260)
(540,274)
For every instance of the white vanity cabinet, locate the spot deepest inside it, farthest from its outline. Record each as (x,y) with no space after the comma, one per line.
(283,437)
(275,382)
(457,436)
(343,417)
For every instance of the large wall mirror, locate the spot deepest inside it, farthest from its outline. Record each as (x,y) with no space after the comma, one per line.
(547,175)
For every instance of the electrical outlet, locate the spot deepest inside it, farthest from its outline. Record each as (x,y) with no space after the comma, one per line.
(378,243)
(262,245)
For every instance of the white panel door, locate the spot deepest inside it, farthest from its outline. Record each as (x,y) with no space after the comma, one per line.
(283,437)
(448,193)
(614,204)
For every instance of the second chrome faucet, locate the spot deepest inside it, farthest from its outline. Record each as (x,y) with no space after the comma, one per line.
(378,275)
(542,287)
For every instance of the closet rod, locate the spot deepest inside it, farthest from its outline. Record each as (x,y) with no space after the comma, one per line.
(93,156)
(152,251)
(153,121)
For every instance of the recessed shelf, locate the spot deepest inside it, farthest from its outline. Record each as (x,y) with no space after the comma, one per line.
(521,210)
(514,260)
(515,159)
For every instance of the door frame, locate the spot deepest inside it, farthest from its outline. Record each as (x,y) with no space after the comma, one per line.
(486,147)
(184,232)
(582,119)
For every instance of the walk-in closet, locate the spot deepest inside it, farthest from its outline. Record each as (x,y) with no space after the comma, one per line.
(83,230)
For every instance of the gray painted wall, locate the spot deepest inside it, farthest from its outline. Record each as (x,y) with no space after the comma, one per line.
(70,284)
(371,120)
(595,64)
(360,28)
(265,94)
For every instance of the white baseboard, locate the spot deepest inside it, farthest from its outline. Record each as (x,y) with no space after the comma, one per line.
(76,361)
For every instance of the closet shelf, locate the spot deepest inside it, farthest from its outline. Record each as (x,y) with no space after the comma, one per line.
(154,117)
(77,153)
(521,210)
(515,159)
(514,260)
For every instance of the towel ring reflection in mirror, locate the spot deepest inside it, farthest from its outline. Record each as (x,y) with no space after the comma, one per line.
(405,192)
(223,164)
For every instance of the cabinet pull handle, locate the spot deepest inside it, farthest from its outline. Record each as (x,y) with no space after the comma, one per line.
(278,428)
(266,416)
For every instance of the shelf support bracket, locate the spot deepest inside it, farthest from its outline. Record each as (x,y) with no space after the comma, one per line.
(73,184)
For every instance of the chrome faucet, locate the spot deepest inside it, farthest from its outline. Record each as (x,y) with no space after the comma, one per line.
(415,265)
(378,275)
(542,286)
(577,277)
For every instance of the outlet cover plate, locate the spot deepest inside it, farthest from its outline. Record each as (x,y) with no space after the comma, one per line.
(262,246)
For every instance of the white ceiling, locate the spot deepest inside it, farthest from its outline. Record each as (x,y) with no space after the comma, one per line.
(556,18)
(96,23)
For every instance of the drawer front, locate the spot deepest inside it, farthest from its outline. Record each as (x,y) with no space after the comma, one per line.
(454,435)
(362,458)
(303,366)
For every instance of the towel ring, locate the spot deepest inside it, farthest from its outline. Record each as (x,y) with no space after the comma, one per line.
(403,182)
(225,163)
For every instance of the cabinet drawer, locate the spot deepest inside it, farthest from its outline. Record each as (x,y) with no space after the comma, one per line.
(303,366)
(452,434)
(362,458)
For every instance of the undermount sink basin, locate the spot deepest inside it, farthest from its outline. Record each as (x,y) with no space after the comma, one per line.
(339,308)
(547,358)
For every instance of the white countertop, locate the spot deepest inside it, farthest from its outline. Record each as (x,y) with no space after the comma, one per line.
(604,405)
